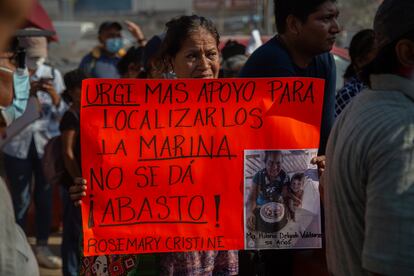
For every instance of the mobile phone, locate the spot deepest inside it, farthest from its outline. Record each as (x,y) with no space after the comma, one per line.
(46,79)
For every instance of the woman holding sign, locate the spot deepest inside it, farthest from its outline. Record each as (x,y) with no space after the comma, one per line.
(189,50)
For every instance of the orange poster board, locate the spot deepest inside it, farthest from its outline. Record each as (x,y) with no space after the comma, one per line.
(164,158)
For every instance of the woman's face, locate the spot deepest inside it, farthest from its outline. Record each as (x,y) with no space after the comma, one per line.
(198,57)
(274,164)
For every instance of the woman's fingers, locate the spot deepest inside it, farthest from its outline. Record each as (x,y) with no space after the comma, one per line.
(78,190)
(79,181)
(318,160)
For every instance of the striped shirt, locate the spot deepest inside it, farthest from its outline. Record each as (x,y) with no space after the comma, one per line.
(369,193)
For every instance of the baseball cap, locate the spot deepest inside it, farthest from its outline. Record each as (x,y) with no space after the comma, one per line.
(393,19)
(109,24)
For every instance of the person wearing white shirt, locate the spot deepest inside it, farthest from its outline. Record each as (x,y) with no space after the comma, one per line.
(24,151)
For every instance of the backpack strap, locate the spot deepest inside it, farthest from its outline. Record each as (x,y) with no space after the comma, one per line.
(95,55)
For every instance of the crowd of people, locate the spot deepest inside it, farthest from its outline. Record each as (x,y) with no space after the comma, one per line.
(365,155)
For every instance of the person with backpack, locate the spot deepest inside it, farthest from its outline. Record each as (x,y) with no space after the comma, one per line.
(23,153)
(71,159)
(102,61)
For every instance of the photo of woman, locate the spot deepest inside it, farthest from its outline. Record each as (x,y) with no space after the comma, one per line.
(281,199)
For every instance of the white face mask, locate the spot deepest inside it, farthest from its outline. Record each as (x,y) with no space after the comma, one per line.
(34,62)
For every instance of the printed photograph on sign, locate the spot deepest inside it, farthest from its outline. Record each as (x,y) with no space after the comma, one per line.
(281,200)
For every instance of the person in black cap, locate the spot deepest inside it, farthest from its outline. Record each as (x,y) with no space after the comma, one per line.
(369,193)
(102,61)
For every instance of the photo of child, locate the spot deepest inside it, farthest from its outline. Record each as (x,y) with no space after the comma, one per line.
(295,193)
(281,199)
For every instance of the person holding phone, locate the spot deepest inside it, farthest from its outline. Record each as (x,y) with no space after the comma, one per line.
(22,155)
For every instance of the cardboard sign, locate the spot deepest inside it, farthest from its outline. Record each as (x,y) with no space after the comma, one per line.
(164,158)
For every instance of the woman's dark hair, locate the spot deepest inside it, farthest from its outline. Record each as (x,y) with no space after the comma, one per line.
(385,62)
(72,79)
(361,45)
(298,8)
(178,30)
(134,55)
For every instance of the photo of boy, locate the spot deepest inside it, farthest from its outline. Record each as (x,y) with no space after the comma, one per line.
(281,199)
(295,193)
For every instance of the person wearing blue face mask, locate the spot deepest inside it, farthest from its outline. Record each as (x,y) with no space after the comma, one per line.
(102,60)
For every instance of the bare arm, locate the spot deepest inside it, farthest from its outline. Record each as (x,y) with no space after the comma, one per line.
(136,32)
(68,142)
(78,187)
